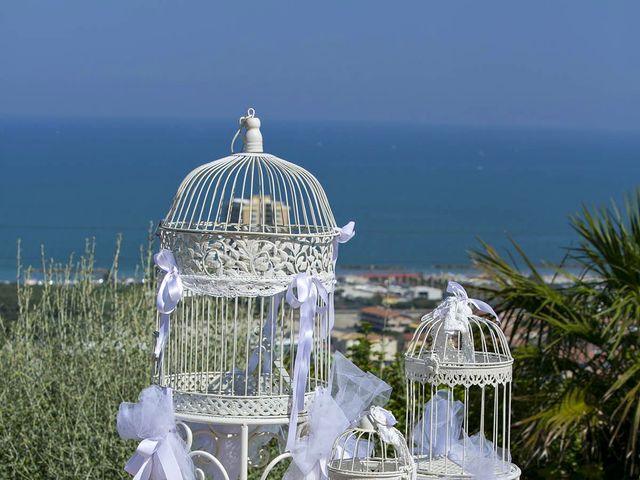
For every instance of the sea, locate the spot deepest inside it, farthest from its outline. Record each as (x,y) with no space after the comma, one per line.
(422,197)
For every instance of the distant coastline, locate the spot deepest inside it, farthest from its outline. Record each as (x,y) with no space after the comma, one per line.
(435,272)
(421,196)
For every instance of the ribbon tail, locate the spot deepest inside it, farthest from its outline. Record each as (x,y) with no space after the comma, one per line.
(163,334)
(168,461)
(139,467)
(300,373)
(293,426)
(484,307)
(301,369)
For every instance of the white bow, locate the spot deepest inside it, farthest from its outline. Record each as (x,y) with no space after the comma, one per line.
(456,311)
(385,422)
(153,456)
(308,289)
(161,453)
(169,294)
(345,234)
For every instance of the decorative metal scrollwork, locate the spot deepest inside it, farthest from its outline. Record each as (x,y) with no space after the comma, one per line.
(225,265)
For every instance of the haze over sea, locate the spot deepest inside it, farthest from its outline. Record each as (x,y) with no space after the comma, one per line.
(421,196)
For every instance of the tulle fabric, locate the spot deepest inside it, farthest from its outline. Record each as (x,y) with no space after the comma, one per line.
(430,433)
(354,390)
(152,418)
(474,453)
(350,394)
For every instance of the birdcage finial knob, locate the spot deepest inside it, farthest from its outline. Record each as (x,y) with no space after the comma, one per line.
(252,140)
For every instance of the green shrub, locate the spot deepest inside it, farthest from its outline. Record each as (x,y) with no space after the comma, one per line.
(78,347)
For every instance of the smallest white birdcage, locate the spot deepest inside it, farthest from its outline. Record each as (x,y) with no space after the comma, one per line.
(458,368)
(373,449)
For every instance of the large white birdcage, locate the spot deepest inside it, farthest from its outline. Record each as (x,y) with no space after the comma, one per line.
(458,369)
(242,229)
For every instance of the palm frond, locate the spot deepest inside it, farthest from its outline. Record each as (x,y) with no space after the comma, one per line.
(576,344)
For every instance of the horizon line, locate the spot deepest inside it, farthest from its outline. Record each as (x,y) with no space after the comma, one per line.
(416,123)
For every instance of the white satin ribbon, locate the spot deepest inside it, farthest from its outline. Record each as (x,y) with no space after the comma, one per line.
(345,234)
(169,294)
(307,291)
(456,310)
(153,456)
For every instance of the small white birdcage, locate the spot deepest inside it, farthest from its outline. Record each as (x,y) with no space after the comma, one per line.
(458,370)
(373,449)
(242,231)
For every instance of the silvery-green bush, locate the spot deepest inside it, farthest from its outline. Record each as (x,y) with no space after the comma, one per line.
(79,346)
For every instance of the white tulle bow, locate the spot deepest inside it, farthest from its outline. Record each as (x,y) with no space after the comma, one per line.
(345,234)
(307,291)
(169,294)
(456,310)
(161,454)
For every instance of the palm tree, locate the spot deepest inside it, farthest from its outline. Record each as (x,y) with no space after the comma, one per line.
(576,343)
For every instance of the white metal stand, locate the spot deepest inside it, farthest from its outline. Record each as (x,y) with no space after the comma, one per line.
(244,438)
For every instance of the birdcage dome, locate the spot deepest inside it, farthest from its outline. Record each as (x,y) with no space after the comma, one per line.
(444,350)
(371,450)
(245,224)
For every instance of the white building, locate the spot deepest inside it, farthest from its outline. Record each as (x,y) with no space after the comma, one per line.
(426,292)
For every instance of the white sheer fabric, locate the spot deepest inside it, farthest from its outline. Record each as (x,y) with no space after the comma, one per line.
(161,454)
(430,433)
(439,433)
(350,394)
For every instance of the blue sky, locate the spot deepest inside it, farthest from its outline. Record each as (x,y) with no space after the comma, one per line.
(574,63)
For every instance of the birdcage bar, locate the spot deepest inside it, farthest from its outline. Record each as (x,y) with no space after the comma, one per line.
(428,461)
(216,196)
(197,343)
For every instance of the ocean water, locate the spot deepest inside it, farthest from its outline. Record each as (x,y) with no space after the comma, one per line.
(421,196)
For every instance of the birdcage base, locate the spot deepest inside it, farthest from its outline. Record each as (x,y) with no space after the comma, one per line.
(354,469)
(236,408)
(444,468)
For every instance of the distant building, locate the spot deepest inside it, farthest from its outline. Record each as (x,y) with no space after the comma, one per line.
(404,278)
(426,292)
(355,292)
(257,211)
(385,319)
